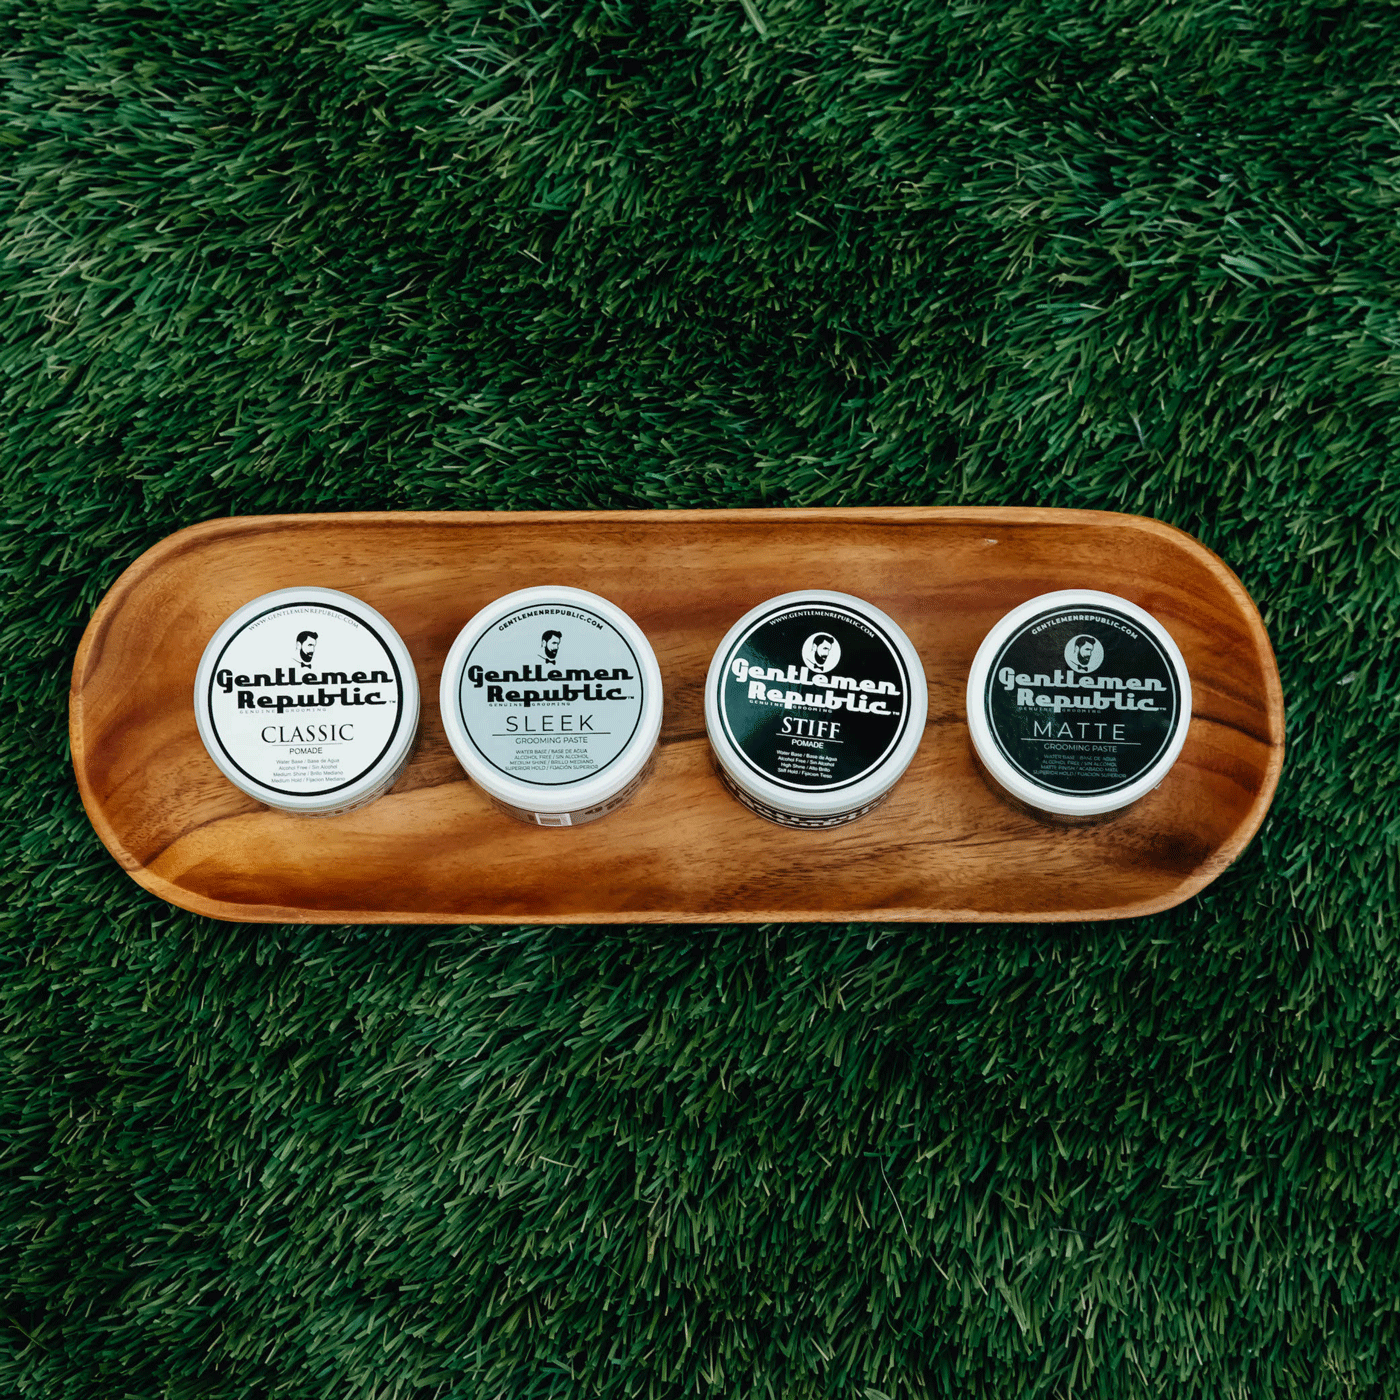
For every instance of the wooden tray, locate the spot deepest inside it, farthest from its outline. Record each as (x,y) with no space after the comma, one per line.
(943,847)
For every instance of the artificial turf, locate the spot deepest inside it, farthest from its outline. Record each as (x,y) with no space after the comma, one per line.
(315,256)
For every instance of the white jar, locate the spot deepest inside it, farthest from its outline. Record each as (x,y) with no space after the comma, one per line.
(551,699)
(307,700)
(1078,703)
(814,703)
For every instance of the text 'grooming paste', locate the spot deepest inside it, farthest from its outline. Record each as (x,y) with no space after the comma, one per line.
(307,700)
(551,699)
(1078,704)
(815,703)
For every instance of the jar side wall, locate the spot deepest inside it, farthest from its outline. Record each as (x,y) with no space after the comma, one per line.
(584,815)
(791,819)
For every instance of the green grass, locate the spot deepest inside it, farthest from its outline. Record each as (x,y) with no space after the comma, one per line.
(294,256)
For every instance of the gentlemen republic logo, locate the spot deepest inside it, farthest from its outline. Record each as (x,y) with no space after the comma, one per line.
(335,694)
(1083,655)
(821,654)
(561,685)
(1082,709)
(534,710)
(299,687)
(813,697)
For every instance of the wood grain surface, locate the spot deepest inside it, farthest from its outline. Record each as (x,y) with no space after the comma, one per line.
(943,847)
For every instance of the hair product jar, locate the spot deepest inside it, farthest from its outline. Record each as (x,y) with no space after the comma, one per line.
(1078,704)
(815,703)
(551,699)
(307,700)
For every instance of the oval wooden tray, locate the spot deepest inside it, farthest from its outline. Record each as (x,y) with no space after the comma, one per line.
(433,851)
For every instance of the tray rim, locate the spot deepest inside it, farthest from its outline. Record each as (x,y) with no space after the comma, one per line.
(206,532)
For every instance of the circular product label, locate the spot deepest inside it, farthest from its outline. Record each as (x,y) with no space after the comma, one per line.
(305,699)
(1082,700)
(814,696)
(551,694)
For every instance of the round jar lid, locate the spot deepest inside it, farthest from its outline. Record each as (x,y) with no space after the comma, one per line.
(551,699)
(307,700)
(1078,702)
(815,703)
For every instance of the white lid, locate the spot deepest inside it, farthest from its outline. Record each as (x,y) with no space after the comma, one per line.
(551,699)
(306,699)
(815,703)
(1078,702)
